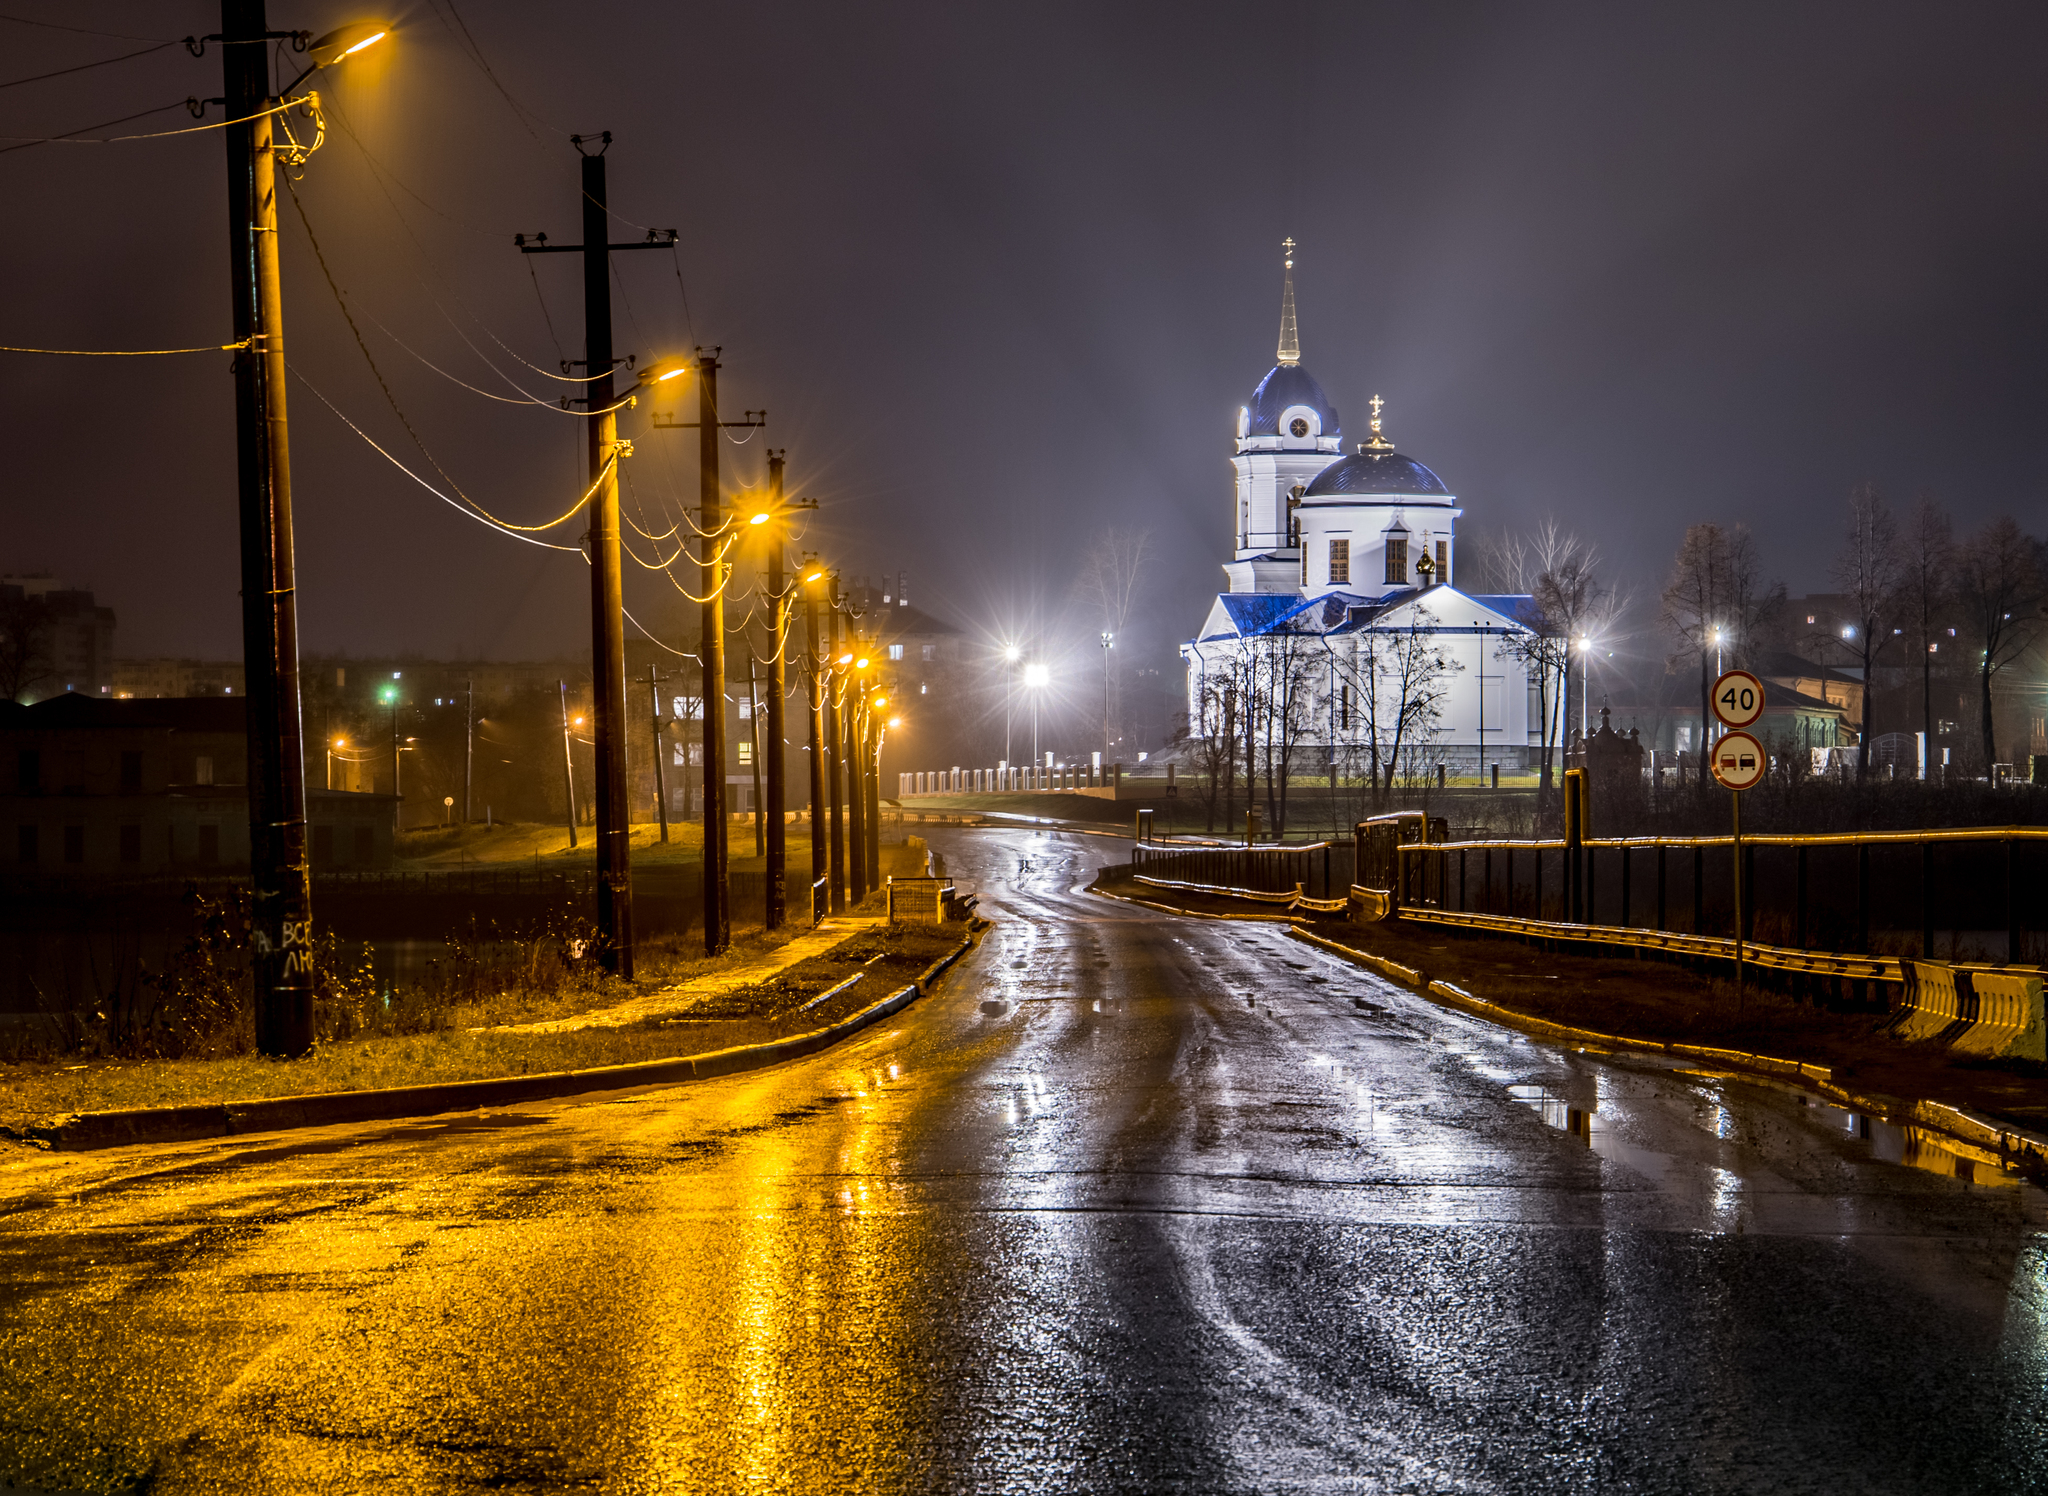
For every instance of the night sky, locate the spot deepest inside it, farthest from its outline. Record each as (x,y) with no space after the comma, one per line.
(1002,277)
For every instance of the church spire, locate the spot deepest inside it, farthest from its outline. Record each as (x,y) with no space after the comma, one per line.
(1290,340)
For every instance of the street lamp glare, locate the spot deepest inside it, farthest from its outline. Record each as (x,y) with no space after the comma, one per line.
(861,663)
(1013,654)
(758,519)
(816,576)
(662,370)
(346,41)
(880,702)
(895,722)
(846,659)
(1036,675)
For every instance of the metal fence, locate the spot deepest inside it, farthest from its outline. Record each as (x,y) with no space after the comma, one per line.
(1322,870)
(1953,893)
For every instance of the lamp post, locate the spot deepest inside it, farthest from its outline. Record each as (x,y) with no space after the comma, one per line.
(1035,679)
(281,895)
(1108,643)
(337,743)
(1011,655)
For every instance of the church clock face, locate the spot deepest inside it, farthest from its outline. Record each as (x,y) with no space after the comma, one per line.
(1298,426)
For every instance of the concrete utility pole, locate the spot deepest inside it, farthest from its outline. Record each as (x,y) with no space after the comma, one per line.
(468,741)
(812,583)
(754,742)
(604,451)
(778,846)
(281,895)
(834,684)
(660,774)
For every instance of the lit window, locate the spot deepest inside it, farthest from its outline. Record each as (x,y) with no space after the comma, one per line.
(1340,561)
(746,752)
(922,688)
(1397,559)
(746,709)
(1811,619)
(895,650)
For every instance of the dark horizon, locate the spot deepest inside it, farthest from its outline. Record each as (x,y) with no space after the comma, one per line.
(1001,282)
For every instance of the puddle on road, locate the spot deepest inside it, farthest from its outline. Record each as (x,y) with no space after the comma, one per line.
(1574,1111)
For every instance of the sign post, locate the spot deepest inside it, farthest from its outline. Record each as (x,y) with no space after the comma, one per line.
(1739,763)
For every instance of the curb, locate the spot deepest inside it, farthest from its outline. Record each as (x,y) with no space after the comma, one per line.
(2012,1144)
(84,1131)
(1256,919)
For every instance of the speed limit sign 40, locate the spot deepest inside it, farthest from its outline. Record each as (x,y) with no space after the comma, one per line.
(1738,698)
(1739,761)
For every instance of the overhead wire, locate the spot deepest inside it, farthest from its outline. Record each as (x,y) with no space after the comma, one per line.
(128,352)
(461,508)
(71,138)
(126,36)
(341,301)
(475,54)
(28,142)
(86,67)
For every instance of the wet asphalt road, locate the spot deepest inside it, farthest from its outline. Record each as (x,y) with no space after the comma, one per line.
(1133,1203)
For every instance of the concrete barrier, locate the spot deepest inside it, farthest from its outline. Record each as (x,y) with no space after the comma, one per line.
(1936,995)
(2009,1020)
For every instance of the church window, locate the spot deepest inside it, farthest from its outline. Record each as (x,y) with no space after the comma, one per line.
(1397,559)
(1298,426)
(1443,563)
(1340,561)
(1344,707)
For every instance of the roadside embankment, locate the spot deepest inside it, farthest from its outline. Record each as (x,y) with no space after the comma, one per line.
(759,1014)
(1654,1004)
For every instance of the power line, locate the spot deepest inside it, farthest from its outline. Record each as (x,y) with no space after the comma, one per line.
(467,511)
(71,137)
(102,125)
(85,30)
(475,53)
(86,67)
(126,352)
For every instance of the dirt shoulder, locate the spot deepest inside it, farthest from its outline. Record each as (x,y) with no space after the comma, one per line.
(783,1005)
(1665,1003)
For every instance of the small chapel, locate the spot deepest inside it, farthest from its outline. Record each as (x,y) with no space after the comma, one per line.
(1341,628)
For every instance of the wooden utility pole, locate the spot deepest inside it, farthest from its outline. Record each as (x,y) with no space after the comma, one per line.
(660,775)
(855,703)
(603,452)
(834,686)
(281,896)
(776,907)
(816,702)
(711,651)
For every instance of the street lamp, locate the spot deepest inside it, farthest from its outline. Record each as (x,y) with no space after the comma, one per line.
(1011,655)
(1036,677)
(1108,643)
(1585,686)
(337,743)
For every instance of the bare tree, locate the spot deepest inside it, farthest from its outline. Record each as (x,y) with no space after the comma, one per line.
(1998,585)
(1287,664)
(1106,586)
(24,643)
(1870,571)
(1399,678)
(1718,600)
(1207,738)
(1928,573)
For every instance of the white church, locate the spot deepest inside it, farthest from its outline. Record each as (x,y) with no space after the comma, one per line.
(1344,570)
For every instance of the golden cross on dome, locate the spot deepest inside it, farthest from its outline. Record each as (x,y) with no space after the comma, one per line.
(1376,402)
(1288,245)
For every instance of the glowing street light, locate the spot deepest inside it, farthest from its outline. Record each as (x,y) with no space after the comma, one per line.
(1036,677)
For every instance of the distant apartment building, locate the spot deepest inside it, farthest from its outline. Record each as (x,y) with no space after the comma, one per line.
(147,679)
(94,786)
(53,638)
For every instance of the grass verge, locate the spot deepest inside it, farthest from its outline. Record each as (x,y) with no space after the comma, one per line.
(886,958)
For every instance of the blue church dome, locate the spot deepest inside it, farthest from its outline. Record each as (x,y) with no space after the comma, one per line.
(1380,472)
(1288,385)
